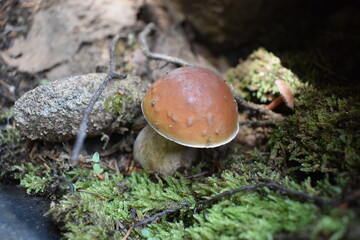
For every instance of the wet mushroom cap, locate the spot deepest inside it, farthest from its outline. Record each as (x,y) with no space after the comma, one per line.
(193,107)
(286,93)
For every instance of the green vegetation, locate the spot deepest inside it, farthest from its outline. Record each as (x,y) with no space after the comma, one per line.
(96,166)
(36,179)
(323,135)
(115,104)
(254,79)
(121,104)
(248,215)
(10,147)
(8,135)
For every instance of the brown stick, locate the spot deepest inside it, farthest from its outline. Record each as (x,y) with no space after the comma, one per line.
(128,232)
(81,134)
(94,194)
(155,56)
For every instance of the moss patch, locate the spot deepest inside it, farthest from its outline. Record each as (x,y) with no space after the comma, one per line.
(323,135)
(122,104)
(9,142)
(254,79)
(115,104)
(248,215)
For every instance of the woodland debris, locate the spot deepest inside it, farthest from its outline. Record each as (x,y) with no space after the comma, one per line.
(81,133)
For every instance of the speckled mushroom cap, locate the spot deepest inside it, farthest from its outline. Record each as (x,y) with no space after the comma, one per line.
(192,106)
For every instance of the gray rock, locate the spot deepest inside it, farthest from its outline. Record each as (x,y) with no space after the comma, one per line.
(53,112)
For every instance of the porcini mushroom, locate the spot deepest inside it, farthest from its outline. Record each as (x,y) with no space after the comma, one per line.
(188,108)
(285,96)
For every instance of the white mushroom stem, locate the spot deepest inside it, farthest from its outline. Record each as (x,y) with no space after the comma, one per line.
(154,152)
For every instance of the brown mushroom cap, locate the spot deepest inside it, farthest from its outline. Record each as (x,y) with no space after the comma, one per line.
(193,107)
(286,93)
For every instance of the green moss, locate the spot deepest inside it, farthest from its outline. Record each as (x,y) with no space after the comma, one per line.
(254,78)
(115,104)
(34,178)
(10,147)
(322,136)
(247,215)
(121,105)
(8,135)
(333,225)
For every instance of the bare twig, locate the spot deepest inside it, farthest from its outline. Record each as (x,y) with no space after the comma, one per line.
(62,178)
(157,215)
(259,108)
(128,232)
(317,200)
(91,193)
(133,213)
(155,56)
(68,182)
(81,134)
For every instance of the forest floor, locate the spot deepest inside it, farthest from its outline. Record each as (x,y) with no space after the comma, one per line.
(314,154)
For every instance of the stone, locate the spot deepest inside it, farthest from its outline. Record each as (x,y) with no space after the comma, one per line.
(53,112)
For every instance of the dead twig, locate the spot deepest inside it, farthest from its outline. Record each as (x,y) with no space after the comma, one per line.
(309,197)
(68,182)
(155,56)
(128,232)
(62,178)
(81,134)
(259,108)
(91,193)
(133,212)
(157,215)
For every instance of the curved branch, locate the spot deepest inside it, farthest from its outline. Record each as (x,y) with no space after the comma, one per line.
(81,134)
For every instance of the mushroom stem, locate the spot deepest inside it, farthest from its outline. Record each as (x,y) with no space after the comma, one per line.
(153,151)
(275,103)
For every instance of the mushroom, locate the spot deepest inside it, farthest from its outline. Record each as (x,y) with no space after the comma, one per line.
(187,109)
(285,96)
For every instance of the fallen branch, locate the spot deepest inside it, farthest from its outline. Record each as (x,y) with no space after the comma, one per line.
(81,134)
(259,108)
(155,56)
(308,197)
(68,182)
(62,178)
(157,215)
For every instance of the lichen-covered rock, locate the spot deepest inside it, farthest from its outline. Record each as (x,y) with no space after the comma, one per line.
(53,112)
(254,78)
